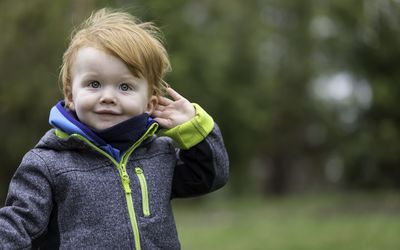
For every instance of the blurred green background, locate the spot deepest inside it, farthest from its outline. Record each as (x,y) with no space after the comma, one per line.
(304,91)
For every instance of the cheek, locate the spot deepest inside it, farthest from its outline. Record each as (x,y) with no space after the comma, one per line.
(135,105)
(81,102)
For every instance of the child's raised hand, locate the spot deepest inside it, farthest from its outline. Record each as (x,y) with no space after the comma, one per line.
(171,113)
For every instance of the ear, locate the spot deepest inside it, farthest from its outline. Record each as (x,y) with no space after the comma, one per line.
(71,106)
(151,104)
(69,103)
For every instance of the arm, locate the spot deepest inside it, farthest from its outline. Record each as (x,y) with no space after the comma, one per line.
(202,168)
(28,205)
(202,165)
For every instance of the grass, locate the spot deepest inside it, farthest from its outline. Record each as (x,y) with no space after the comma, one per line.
(325,221)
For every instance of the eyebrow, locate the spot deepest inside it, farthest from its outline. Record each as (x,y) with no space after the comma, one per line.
(129,77)
(90,74)
(126,77)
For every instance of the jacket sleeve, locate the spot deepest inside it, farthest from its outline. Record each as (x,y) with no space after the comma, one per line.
(26,213)
(202,161)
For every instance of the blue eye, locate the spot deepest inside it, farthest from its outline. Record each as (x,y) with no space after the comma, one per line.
(125,87)
(94,84)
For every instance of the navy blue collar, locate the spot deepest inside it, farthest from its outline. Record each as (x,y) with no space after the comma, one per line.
(125,134)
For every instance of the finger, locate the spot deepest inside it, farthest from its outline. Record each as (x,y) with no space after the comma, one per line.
(160,108)
(161,114)
(175,95)
(164,101)
(156,114)
(165,123)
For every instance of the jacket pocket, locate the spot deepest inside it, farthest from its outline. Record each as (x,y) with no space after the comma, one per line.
(145,194)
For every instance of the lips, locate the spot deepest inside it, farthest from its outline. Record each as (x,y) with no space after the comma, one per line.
(106,112)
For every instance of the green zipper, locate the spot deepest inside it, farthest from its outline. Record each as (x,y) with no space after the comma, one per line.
(145,195)
(121,166)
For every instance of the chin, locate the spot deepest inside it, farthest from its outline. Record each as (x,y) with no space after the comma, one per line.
(103,126)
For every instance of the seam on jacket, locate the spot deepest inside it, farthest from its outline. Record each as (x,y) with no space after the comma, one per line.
(35,236)
(83,170)
(214,159)
(133,158)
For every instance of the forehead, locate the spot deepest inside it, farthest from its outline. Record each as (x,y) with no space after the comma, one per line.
(97,60)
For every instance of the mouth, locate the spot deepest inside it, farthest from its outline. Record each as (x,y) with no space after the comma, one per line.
(106,112)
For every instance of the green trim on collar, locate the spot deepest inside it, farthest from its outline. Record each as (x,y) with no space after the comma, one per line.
(191,132)
(60,134)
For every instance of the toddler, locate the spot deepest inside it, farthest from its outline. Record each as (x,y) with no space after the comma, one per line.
(104,175)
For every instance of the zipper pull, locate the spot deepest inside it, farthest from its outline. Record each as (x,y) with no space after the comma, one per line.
(125,180)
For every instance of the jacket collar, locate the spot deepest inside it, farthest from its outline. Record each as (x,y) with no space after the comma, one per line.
(114,141)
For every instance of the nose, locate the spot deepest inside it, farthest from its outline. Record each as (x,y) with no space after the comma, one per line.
(107,96)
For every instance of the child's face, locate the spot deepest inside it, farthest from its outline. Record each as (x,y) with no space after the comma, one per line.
(104,90)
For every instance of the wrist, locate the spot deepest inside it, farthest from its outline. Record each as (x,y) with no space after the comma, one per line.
(192,132)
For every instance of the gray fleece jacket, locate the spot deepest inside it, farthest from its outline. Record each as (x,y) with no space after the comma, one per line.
(67,194)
